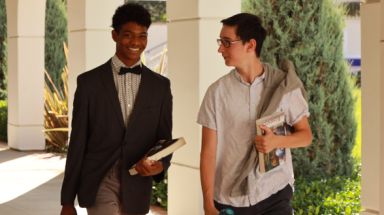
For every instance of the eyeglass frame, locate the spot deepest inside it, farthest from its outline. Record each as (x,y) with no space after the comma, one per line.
(220,41)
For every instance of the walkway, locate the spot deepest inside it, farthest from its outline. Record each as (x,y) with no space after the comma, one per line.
(30,183)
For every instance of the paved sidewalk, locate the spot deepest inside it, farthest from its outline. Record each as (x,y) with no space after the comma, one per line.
(30,183)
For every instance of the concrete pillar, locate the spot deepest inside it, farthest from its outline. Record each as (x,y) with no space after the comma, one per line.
(26,21)
(90,40)
(194,64)
(381,98)
(372,99)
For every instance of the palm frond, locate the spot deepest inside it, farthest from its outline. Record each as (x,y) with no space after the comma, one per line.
(56,110)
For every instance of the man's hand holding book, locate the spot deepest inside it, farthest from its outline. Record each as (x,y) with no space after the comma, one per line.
(144,169)
(267,142)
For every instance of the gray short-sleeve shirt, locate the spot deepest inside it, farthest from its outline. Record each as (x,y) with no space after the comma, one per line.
(230,107)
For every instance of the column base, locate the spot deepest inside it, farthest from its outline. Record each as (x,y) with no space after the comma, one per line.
(22,137)
(184,191)
(368,212)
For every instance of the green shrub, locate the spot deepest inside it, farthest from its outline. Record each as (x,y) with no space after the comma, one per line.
(3,121)
(55,33)
(356,78)
(310,35)
(335,195)
(160,193)
(356,152)
(3,51)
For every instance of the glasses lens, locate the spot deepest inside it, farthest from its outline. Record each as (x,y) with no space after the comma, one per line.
(218,42)
(225,43)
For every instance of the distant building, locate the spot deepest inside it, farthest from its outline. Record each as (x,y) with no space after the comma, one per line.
(352,34)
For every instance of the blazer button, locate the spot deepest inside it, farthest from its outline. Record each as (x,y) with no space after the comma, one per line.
(125,143)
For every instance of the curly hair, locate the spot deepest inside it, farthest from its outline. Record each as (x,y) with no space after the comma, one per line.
(130,12)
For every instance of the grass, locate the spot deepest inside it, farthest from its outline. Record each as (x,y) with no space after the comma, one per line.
(356,152)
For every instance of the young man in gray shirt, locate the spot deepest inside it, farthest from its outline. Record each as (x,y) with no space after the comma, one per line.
(228,114)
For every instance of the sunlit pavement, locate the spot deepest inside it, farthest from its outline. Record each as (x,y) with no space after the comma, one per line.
(30,183)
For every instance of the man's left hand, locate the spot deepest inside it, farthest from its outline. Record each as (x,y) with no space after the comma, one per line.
(267,142)
(145,169)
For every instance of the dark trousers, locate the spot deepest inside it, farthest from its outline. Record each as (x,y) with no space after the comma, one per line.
(277,204)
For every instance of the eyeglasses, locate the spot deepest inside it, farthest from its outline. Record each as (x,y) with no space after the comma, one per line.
(225,43)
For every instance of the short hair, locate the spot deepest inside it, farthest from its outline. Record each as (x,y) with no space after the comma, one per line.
(131,12)
(248,27)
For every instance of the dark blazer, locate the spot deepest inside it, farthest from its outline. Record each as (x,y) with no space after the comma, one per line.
(99,137)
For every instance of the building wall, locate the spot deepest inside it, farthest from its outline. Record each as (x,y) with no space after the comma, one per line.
(352,38)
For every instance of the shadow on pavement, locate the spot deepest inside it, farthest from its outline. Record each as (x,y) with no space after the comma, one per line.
(7,154)
(43,200)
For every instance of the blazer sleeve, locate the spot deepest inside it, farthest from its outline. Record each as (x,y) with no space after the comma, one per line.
(77,144)
(164,129)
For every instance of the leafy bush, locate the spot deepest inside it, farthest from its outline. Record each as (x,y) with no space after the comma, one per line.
(3,121)
(56,113)
(160,193)
(56,31)
(356,153)
(335,195)
(356,78)
(3,51)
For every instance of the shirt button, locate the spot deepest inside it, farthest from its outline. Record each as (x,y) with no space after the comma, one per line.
(129,105)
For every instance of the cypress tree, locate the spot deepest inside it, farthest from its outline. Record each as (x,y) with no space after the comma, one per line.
(310,34)
(3,51)
(55,33)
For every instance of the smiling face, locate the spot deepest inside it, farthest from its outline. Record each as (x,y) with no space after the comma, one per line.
(236,52)
(130,42)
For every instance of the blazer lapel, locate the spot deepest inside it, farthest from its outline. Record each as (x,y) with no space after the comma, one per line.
(144,89)
(109,84)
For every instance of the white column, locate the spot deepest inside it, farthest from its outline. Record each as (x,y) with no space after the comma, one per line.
(120,2)
(194,64)
(90,40)
(26,21)
(381,96)
(372,99)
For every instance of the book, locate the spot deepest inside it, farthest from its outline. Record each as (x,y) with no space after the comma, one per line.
(276,122)
(161,149)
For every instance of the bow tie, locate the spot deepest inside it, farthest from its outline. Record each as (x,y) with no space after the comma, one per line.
(135,70)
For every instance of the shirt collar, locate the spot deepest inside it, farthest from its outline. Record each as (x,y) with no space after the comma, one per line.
(117,64)
(255,82)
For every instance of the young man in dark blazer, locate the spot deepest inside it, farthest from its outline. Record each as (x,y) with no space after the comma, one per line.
(120,110)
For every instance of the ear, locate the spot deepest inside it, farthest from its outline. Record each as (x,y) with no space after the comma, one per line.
(114,35)
(251,46)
